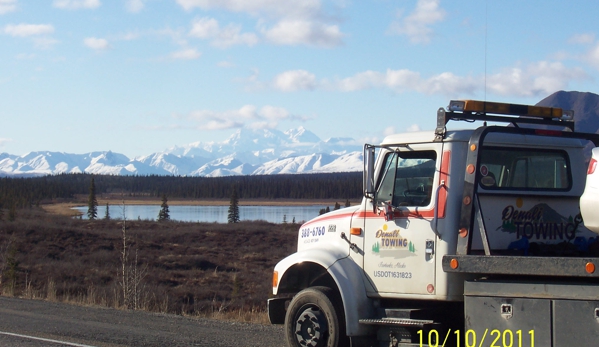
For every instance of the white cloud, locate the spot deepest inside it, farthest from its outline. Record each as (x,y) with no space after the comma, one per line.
(277,8)
(592,57)
(253,82)
(390,130)
(209,29)
(363,80)
(248,116)
(248,112)
(4,141)
(24,56)
(38,33)
(134,6)
(24,30)
(132,35)
(176,35)
(262,125)
(212,120)
(225,64)
(77,4)
(402,80)
(296,22)
(582,39)
(447,83)
(294,80)
(204,28)
(217,123)
(413,128)
(535,79)
(7,6)
(186,54)
(369,139)
(273,113)
(307,32)
(417,25)
(44,42)
(540,78)
(96,43)
(398,80)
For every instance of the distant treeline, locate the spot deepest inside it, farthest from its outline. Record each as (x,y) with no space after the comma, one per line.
(24,192)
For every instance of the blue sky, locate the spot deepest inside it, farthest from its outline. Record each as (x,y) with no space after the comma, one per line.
(139,76)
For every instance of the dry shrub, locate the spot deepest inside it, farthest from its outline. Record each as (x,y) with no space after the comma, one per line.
(198,269)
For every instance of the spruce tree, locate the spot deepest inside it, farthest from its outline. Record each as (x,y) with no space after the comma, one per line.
(233,216)
(164,214)
(92,203)
(107,215)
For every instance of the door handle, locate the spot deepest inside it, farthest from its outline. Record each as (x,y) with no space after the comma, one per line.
(352,245)
(435,228)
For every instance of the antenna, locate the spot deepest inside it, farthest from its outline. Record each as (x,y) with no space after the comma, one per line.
(486,28)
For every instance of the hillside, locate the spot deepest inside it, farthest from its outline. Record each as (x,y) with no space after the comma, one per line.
(584,105)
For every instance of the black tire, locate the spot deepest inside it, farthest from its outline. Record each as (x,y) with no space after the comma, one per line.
(315,319)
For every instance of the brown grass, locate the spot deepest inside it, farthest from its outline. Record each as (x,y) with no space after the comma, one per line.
(196,269)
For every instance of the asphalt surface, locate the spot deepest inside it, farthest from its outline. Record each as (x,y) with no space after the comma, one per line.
(33,323)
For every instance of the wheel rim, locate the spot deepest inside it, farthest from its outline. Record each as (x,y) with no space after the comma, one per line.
(311,327)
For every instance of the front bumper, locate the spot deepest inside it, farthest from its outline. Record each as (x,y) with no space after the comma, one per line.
(277,308)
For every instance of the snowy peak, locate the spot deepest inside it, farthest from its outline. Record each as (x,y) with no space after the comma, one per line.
(261,137)
(301,135)
(48,163)
(195,149)
(109,158)
(245,152)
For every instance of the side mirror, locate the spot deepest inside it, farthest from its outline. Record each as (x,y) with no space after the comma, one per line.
(369,170)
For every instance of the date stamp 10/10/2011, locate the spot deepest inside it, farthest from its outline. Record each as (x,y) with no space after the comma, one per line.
(490,338)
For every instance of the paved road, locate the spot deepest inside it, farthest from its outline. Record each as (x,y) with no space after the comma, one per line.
(32,323)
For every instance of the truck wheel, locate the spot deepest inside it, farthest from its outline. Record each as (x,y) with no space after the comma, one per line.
(315,319)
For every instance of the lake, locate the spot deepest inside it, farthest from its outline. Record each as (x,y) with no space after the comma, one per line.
(186,213)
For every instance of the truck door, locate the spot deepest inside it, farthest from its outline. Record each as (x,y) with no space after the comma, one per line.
(399,241)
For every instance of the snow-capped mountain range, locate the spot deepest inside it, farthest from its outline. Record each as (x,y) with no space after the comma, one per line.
(246,152)
(249,152)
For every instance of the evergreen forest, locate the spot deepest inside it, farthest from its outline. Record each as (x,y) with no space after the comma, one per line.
(31,191)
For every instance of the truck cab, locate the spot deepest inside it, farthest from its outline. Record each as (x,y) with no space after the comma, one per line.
(448,217)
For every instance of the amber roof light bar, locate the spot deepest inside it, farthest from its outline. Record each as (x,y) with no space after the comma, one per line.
(485,107)
(474,110)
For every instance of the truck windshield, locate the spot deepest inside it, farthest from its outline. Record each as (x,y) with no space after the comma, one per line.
(407,178)
(524,169)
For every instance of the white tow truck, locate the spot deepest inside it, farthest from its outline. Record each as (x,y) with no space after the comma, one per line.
(463,238)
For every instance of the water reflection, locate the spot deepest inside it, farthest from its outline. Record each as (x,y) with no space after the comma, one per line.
(186,213)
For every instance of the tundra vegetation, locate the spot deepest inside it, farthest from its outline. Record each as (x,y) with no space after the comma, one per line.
(199,269)
(205,269)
